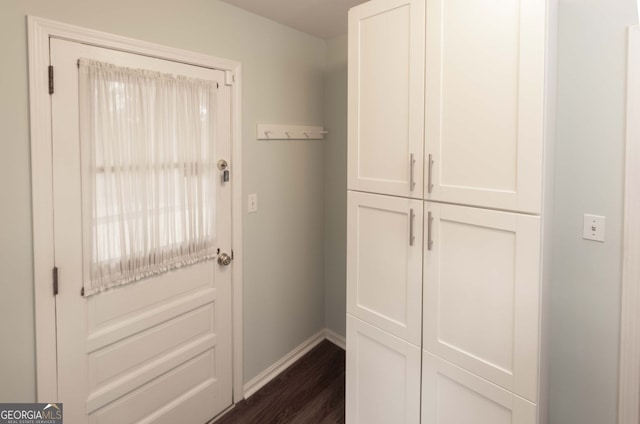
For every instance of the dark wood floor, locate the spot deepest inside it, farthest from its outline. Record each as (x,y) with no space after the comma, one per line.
(310,391)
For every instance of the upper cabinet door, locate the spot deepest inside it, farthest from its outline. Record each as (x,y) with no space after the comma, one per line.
(485,85)
(386,97)
(384,263)
(482,293)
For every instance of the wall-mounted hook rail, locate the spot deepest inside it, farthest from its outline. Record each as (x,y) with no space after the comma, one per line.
(289,132)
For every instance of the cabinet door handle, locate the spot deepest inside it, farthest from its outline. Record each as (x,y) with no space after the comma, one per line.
(429,224)
(429,183)
(412,216)
(412,167)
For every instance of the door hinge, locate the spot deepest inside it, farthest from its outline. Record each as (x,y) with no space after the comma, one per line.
(55,280)
(50,79)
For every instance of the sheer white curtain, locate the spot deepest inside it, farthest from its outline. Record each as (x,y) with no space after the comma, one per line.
(148,153)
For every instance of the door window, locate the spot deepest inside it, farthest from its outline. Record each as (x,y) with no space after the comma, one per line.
(148,172)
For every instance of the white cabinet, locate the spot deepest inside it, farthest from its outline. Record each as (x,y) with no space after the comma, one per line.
(482,293)
(386,97)
(451,395)
(384,263)
(484,114)
(451,122)
(383,377)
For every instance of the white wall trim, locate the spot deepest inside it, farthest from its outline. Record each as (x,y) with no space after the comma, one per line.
(335,338)
(42,215)
(40,31)
(629,394)
(260,380)
(289,359)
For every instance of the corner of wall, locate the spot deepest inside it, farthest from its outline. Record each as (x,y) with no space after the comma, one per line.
(335,184)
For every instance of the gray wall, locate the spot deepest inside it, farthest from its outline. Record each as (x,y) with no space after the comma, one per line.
(282,83)
(335,185)
(586,275)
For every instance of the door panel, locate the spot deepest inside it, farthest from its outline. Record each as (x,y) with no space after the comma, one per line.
(189,387)
(157,350)
(136,301)
(383,377)
(116,361)
(384,267)
(484,109)
(117,314)
(386,92)
(451,395)
(481,293)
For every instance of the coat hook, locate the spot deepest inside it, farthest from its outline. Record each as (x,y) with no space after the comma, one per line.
(290,132)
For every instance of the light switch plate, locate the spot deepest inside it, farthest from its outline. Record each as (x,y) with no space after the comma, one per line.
(593,227)
(252,203)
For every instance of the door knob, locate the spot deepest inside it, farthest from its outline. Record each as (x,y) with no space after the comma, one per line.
(224,259)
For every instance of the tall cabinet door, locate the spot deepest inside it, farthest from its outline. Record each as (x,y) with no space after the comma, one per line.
(384,263)
(386,97)
(485,80)
(382,377)
(481,293)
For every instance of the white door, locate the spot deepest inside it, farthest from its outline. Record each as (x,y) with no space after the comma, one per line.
(485,81)
(451,395)
(386,97)
(383,377)
(482,292)
(158,350)
(384,263)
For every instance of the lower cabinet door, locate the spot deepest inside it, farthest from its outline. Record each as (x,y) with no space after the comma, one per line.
(383,377)
(451,395)
(481,293)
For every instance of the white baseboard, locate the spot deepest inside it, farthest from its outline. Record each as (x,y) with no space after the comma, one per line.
(286,361)
(335,338)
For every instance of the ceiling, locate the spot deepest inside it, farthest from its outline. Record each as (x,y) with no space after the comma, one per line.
(322,18)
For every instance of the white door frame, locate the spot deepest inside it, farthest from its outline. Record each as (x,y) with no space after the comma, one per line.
(40,31)
(629,393)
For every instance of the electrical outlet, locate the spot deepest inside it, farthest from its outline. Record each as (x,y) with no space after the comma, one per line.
(593,227)
(252,203)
